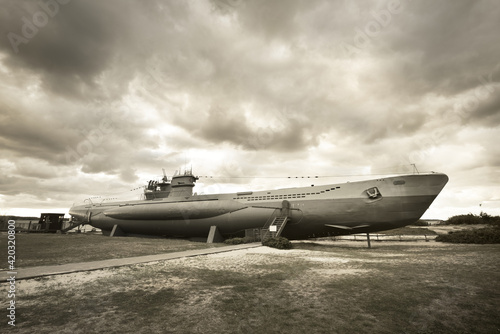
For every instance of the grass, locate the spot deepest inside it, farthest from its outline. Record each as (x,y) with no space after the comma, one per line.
(38,249)
(398,287)
(409,231)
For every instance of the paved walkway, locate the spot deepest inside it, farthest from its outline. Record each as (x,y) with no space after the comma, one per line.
(32,272)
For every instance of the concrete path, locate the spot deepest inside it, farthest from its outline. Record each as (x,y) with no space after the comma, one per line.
(32,272)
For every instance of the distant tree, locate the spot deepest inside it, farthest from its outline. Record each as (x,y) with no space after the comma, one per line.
(471,219)
(468,219)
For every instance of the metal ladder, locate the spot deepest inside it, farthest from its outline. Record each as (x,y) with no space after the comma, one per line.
(278,223)
(72,226)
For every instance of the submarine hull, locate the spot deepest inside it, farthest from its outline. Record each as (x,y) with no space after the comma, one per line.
(333,209)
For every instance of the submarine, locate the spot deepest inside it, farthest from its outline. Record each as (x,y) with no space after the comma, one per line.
(170,208)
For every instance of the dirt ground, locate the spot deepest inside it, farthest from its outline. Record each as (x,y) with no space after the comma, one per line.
(245,261)
(328,286)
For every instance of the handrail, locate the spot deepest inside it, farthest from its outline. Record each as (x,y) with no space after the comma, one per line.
(88,199)
(270,219)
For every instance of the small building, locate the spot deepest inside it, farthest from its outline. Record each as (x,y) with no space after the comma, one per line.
(51,222)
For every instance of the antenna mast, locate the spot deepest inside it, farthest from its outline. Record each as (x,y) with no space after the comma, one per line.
(415,170)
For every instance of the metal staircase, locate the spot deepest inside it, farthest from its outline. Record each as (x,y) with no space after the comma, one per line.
(72,226)
(276,222)
(274,227)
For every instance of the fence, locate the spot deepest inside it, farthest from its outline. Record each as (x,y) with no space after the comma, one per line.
(35,226)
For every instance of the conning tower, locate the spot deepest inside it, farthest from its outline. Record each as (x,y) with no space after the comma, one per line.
(182,184)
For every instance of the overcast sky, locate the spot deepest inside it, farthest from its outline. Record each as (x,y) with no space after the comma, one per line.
(96,97)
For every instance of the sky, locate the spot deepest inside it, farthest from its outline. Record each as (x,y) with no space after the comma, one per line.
(96,97)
